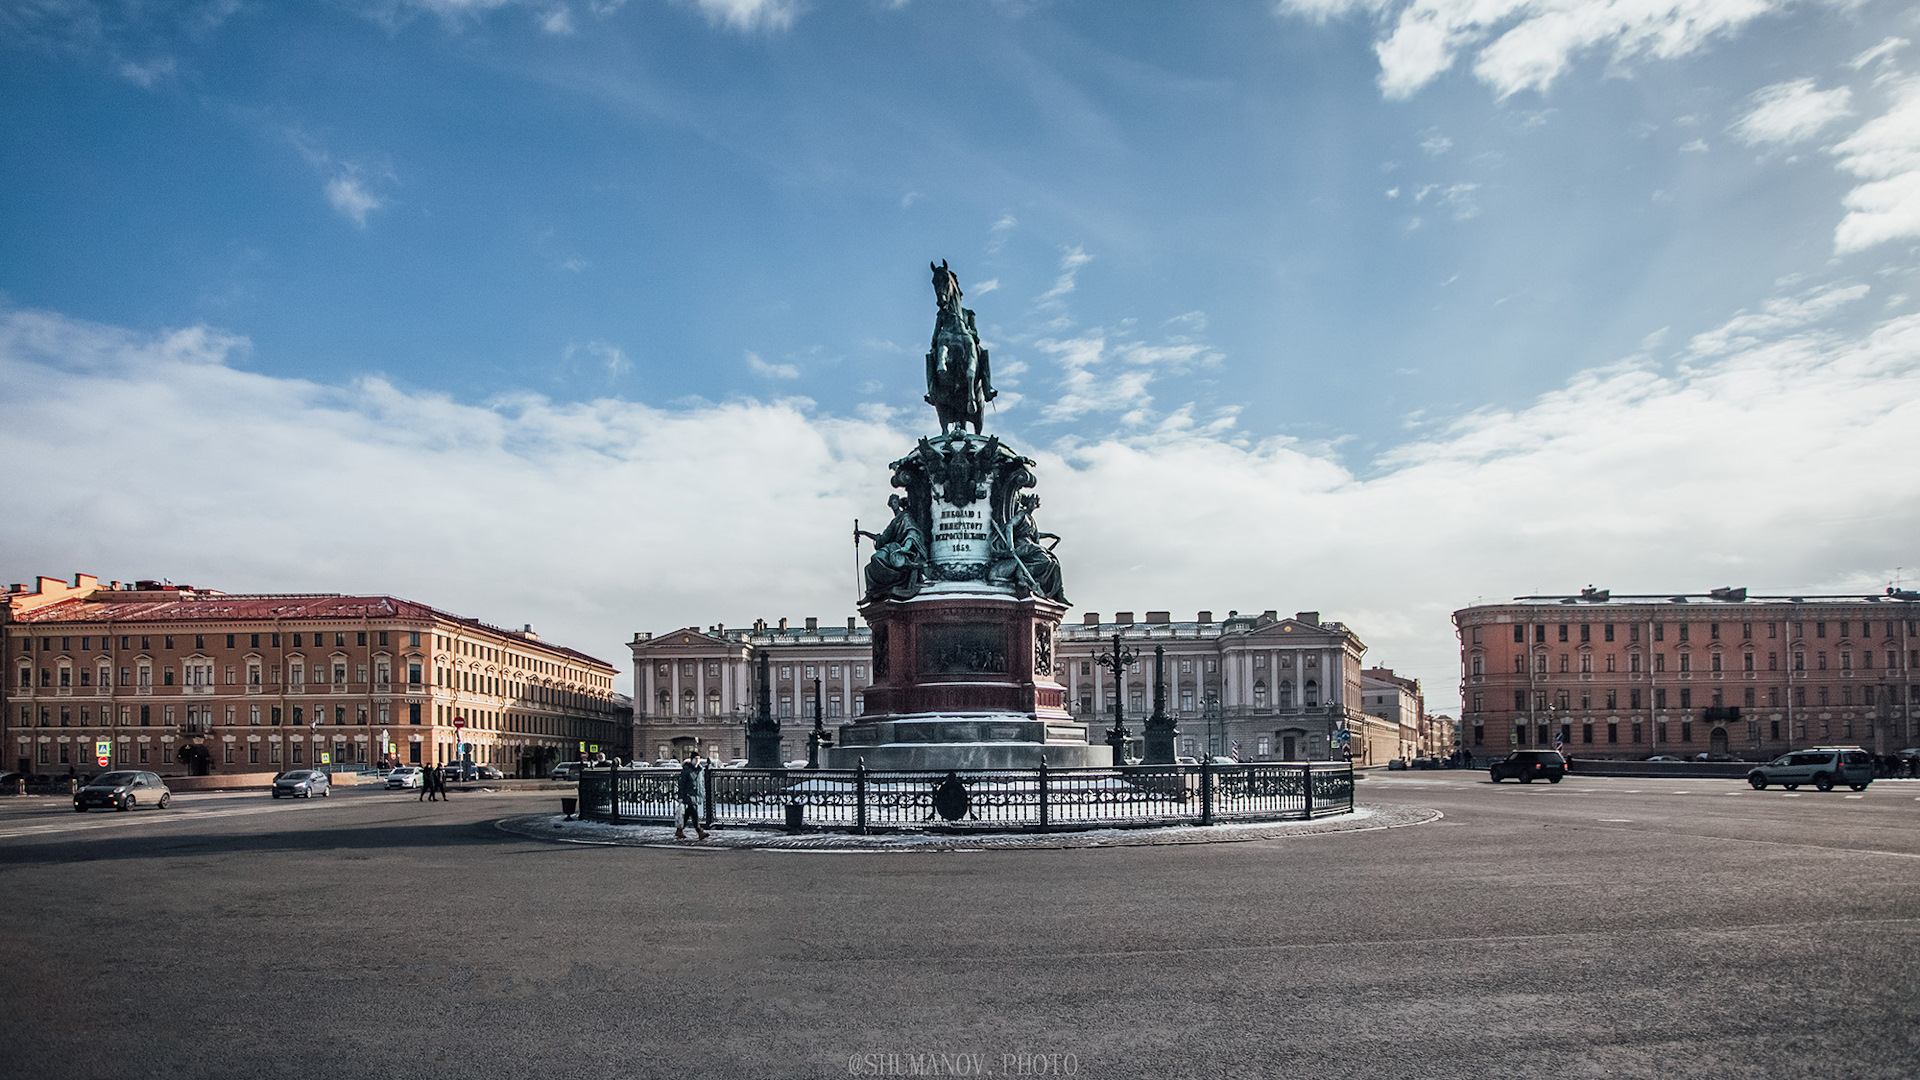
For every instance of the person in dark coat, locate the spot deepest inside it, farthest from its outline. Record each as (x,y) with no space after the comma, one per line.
(690,782)
(426,782)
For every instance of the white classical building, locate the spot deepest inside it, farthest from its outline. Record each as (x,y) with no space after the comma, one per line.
(1274,689)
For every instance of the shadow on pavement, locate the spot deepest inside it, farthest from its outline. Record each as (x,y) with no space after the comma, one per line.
(57,848)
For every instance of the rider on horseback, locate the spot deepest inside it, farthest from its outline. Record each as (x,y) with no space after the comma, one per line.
(959,379)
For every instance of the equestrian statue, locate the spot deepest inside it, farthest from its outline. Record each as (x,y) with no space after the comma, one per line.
(959,379)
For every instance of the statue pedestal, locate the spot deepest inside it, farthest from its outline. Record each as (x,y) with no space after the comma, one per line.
(964,679)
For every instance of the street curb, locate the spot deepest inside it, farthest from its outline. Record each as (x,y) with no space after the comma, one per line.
(552,828)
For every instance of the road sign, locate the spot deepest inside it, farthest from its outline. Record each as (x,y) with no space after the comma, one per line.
(459,722)
(103,750)
(326,758)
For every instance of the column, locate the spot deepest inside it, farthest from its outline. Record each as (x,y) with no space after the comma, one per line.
(700,689)
(673,690)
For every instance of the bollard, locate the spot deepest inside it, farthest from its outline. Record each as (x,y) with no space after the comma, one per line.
(1206,790)
(860,797)
(1044,822)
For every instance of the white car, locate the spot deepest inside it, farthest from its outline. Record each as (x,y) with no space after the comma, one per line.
(407,776)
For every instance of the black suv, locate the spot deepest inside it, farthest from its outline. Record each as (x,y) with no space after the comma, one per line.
(1527,766)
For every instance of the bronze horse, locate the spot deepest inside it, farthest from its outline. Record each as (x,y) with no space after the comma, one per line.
(959,379)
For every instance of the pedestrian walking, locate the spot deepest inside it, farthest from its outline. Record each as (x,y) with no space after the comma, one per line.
(444,770)
(426,784)
(691,780)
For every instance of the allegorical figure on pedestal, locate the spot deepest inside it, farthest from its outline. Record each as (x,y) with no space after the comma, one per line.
(959,378)
(1026,562)
(900,551)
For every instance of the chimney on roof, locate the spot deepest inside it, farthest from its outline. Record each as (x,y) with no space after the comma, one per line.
(759,626)
(1159,617)
(1091,618)
(1270,615)
(1206,616)
(1312,618)
(813,624)
(849,624)
(783,625)
(1124,618)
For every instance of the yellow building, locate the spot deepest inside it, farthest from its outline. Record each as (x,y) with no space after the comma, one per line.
(181,680)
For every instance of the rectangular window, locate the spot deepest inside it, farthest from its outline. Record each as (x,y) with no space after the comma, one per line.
(1713,631)
(1773,730)
(413,639)
(1659,631)
(1586,733)
(1686,731)
(1519,701)
(1633,702)
(1660,698)
(1519,634)
(1608,631)
(1686,698)
(1613,732)
(1586,632)
(1563,631)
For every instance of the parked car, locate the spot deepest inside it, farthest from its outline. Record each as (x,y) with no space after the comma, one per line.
(735,763)
(459,771)
(123,791)
(567,770)
(1664,757)
(1396,764)
(1821,766)
(1715,757)
(302,783)
(406,776)
(1527,766)
(488,772)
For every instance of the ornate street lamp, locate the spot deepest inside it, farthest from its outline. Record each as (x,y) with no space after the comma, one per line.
(1118,659)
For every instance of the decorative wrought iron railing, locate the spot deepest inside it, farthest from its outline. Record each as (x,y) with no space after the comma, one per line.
(993,800)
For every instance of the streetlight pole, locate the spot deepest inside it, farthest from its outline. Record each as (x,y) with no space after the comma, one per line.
(819,732)
(1118,659)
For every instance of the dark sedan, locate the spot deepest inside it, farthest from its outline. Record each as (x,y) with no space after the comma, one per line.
(123,791)
(1527,766)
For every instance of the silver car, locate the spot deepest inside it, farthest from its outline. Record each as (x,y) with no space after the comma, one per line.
(302,783)
(1821,766)
(123,791)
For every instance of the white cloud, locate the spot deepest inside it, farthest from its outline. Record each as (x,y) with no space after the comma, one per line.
(1880,53)
(1777,316)
(607,358)
(1789,112)
(1070,263)
(981,288)
(1734,469)
(999,231)
(771,371)
(558,22)
(351,197)
(1526,44)
(1884,152)
(750,15)
(1435,143)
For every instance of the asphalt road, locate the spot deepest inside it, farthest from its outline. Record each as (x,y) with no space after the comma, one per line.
(1599,927)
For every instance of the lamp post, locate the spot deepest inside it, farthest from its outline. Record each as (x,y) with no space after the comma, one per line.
(819,732)
(1118,659)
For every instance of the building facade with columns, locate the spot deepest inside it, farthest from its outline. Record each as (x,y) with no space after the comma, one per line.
(1720,672)
(1279,689)
(180,680)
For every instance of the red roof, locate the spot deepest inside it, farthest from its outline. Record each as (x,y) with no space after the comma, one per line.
(242,608)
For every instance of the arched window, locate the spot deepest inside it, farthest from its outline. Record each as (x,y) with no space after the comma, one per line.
(1286,693)
(1312,693)
(686,703)
(1260,694)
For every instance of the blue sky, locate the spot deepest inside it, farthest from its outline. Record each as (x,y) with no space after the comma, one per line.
(606,316)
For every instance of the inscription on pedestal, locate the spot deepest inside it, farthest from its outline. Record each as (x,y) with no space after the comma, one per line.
(959,533)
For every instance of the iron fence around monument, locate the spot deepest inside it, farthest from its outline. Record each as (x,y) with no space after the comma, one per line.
(986,800)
